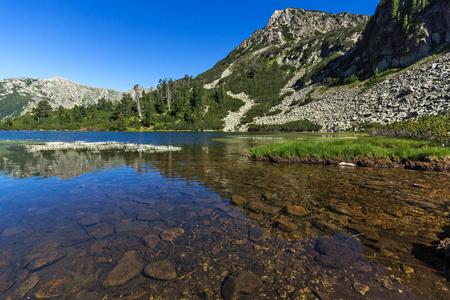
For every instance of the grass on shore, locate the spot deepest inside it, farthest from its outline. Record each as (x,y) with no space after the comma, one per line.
(364,147)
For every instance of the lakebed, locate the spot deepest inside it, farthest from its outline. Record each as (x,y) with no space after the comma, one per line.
(206,223)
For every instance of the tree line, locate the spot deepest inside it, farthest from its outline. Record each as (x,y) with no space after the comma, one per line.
(183,104)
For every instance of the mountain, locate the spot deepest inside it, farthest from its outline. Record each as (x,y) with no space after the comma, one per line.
(19,95)
(329,68)
(336,70)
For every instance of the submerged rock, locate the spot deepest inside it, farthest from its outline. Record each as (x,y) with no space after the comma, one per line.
(239,284)
(150,240)
(24,288)
(43,259)
(128,267)
(161,270)
(260,207)
(364,231)
(61,286)
(285,224)
(296,210)
(171,234)
(100,231)
(257,234)
(238,200)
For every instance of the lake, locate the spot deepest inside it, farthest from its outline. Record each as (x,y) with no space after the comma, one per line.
(205,222)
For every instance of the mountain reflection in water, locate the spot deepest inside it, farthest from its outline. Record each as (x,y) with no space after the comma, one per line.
(133,225)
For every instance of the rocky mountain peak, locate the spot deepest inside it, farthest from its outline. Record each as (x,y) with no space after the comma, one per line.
(294,23)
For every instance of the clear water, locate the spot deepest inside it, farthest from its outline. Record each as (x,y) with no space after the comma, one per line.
(84,225)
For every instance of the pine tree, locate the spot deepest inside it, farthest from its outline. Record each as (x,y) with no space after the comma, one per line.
(394,9)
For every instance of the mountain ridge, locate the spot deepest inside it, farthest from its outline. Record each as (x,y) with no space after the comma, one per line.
(20,95)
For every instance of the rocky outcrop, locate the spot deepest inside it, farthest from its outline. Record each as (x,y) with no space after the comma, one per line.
(294,23)
(423,89)
(399,35)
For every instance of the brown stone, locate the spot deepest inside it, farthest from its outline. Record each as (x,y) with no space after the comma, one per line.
(238,200)
(361,288)
(269,196)
(295,210)
(326,227)
(171,234)
(239,284)
(286,225)
(138,229)
(5,257)
(150,240)
(364,231)
(100,231)
(24,288)
(257,234)
(260,207)
(148,215)
(162,270)
(128,267)
(46,246)
(254,216)
(98,246)
(43,259)
(89,220)
(13,231)
(61,286)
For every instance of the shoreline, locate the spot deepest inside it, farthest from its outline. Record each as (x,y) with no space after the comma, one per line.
(434,165)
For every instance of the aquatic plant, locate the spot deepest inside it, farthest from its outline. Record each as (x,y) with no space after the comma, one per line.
(102,146)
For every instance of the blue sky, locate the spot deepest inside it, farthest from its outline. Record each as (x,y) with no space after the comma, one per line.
(118,43)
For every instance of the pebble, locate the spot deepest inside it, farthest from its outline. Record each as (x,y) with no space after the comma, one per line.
(361,288)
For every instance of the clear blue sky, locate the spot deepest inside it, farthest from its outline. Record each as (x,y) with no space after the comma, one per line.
(118,43)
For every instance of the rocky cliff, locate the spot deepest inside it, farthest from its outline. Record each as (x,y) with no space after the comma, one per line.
(19,95)
(401,33)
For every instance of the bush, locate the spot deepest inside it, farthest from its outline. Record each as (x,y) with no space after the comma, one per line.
(301,125)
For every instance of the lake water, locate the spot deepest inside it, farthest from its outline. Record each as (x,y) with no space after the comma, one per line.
(131,225)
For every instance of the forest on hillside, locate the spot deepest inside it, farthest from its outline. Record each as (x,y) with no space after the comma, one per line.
(173,105)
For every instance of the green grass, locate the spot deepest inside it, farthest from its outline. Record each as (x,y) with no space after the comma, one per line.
(348,149)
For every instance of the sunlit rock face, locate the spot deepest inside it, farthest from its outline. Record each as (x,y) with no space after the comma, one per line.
(20,95)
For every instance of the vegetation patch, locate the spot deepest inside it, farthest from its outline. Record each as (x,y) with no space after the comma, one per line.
(365,151)
(432,128)
(301,125)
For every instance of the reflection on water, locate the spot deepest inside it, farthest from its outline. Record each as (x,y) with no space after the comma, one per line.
(160,226)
